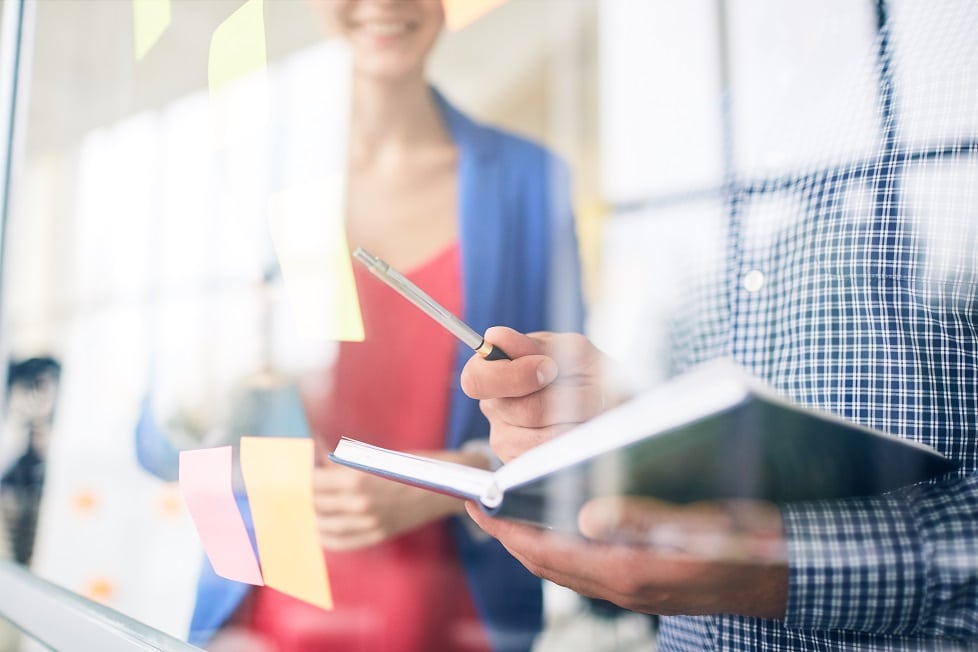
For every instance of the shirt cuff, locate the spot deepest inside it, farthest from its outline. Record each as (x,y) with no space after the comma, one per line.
(855,565)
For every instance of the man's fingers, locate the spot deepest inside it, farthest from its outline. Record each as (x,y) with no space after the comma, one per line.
(491,526)
(511,441)
(527,370)
(633,518)
(622,519)
(515,343)
(553,405)
(574,354)
(738,530)
(536,360)
(596,569)
(650,522)
(483,379)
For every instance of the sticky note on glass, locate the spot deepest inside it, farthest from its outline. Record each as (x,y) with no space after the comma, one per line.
(150,18)
(306,222)
(238,45)
(205,480)
(278,478)
(459,13)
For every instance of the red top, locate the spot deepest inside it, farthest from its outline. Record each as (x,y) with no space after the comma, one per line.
(405,594)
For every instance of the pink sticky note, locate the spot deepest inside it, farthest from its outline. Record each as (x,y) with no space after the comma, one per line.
(205,480)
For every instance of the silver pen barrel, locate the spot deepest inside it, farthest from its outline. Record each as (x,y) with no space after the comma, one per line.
(420,298)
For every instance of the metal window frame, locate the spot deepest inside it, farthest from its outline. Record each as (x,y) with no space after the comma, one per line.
(44,611)
(64,620)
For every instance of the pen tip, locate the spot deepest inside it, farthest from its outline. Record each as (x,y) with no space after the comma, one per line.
(361,254)
(373,263)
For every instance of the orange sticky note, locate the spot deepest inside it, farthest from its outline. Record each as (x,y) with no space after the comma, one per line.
(205,480)
(278,477)
(459,13)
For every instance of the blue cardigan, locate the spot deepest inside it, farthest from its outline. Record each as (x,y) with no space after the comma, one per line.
(520,269)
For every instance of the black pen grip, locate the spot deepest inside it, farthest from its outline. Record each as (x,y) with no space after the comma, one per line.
(495,353)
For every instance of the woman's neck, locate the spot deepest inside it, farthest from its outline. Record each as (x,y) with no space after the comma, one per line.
(391,120)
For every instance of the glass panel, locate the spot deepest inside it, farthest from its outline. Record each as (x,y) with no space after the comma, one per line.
(660,124)
(38,614)
(835,259)
(930,60)
(791,94)
(12,639)
(190,179)
(140,275)
(187,336)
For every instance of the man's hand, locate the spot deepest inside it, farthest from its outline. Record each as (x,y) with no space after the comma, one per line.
(355,509)
(655,557)
(553,382)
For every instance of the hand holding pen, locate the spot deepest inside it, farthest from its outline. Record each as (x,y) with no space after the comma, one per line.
(555,381)
(432,308)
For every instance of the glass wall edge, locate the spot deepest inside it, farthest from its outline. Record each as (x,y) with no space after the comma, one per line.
(11,30)
(64,620)
(53,615)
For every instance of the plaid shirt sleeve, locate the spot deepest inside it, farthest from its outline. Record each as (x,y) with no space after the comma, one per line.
(902,563)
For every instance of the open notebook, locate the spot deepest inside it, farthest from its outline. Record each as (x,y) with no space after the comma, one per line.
(713,433)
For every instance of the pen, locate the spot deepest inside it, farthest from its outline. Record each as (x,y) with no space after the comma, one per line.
(432,308)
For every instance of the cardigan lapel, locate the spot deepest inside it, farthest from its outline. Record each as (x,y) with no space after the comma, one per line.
(480,226)
(507,598)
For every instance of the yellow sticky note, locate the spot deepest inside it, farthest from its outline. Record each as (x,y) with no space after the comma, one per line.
(150,18)
(238,45)
(459,13)
(278,478)
(306,222)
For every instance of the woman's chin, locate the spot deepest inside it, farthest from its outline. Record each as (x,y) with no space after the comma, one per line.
(387,69)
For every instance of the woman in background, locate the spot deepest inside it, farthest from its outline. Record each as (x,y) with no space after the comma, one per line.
(481,220)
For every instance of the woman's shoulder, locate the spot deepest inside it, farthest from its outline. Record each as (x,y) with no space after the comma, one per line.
(491,140)
(521,147)
(526,160)
(516,146)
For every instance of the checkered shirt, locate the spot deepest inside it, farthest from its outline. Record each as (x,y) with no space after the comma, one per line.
(854,288)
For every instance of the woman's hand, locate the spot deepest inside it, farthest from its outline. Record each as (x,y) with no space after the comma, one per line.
(355,509)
